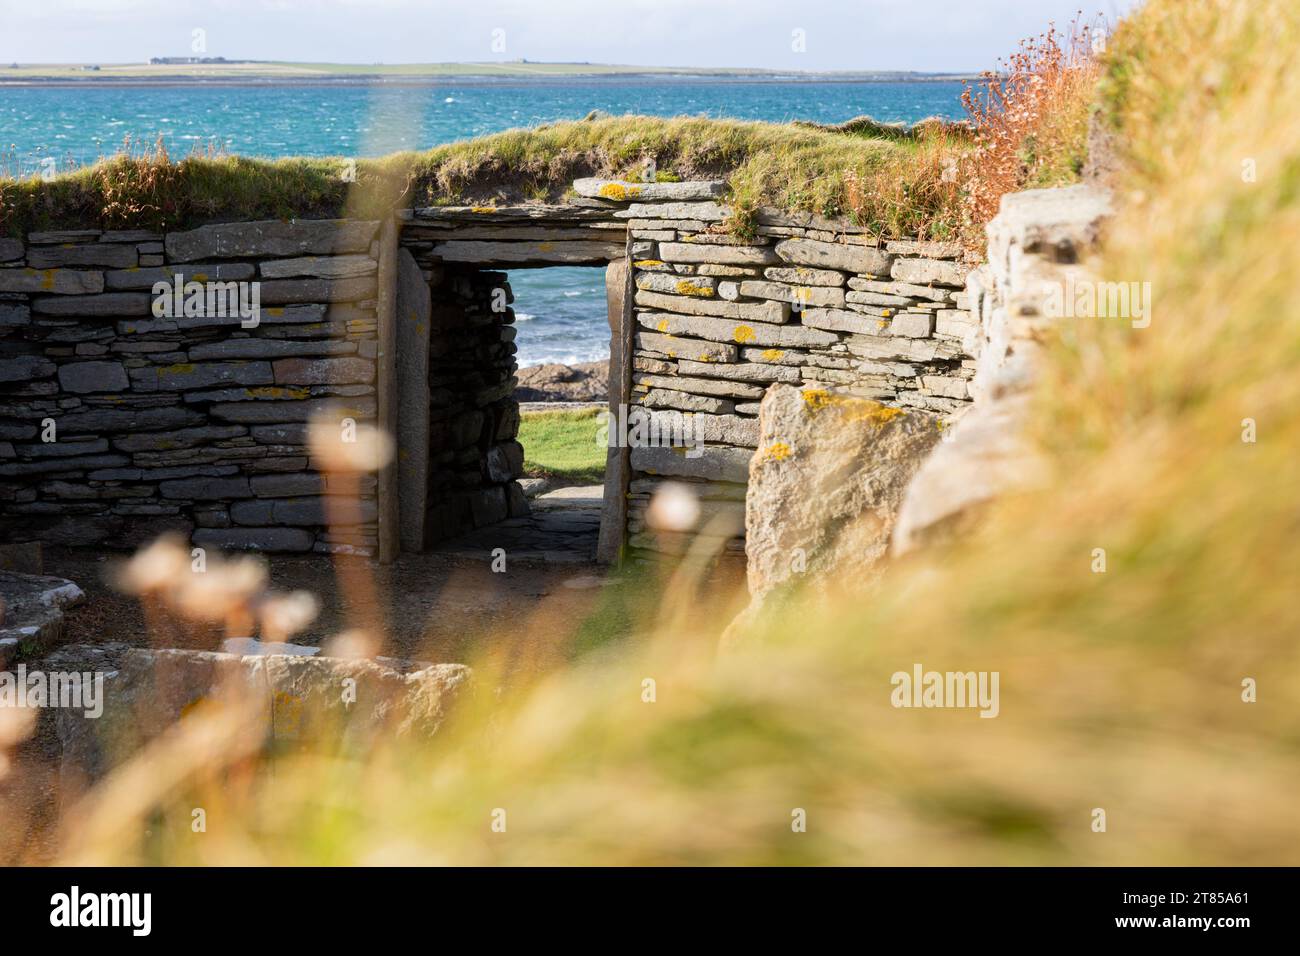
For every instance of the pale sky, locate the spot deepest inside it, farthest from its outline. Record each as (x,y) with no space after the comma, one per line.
(930,35)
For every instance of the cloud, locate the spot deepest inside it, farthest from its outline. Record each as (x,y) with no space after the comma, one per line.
(936,35)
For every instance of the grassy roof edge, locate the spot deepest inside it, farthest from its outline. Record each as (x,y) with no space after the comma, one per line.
(890,179)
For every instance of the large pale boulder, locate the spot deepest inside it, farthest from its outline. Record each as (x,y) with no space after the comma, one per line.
(985,456)
(824,487)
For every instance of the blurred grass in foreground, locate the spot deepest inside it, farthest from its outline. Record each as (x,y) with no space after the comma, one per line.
(1120,690)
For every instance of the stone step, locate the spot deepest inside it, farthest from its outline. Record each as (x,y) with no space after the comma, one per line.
(31,612)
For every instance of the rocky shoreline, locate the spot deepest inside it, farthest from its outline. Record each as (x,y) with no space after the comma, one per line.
(584,382)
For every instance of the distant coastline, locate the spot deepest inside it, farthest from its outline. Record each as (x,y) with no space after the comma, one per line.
(349,74)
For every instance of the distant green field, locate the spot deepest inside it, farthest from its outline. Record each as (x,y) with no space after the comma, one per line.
(563,444)
(164,72)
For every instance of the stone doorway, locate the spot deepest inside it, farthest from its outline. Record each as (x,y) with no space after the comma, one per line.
(460,460)
(561,344)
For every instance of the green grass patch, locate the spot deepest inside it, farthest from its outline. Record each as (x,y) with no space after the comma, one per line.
(563,444)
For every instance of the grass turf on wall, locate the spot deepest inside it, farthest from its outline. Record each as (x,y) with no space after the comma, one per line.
(889,180)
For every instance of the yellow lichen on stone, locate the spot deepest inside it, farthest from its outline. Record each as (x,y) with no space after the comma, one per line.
(772,355)
(686,287)
(743,333)
(663,325)
(816,398)
(483,209)
(648,263)
(275,310)
(777,451)
(545,246)
(618,192)
(882,324)
(853,409)
(185,368)
(273,391)
(864,410)
(47,282)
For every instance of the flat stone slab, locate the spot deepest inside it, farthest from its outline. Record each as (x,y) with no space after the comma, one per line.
(577,252)
(287,700)
(618,190)
(303,237)
(252,647)
(551,213)
(31,611)
(556,536)
(576,498)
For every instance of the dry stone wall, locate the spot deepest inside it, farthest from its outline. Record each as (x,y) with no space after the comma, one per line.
(125,412)
(1038,244)
(804,302)
(117,422)
(473,458)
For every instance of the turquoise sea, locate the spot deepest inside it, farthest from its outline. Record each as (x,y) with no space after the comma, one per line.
(560,310)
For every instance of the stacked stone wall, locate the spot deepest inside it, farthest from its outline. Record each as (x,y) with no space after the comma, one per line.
(118,423)
(475,459)
(804,302)
(198,424)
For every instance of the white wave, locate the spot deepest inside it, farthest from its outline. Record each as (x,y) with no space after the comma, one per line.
(524,316)
(528,358)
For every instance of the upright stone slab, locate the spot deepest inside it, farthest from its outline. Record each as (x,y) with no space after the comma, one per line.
(825,484)
(613,513)
(414,310)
